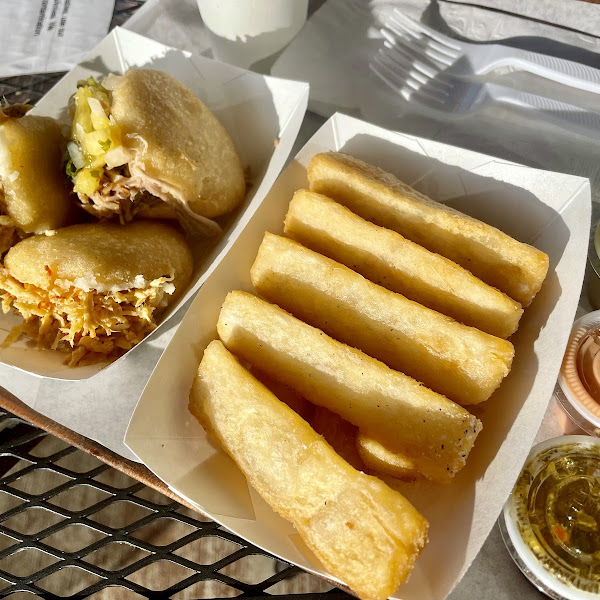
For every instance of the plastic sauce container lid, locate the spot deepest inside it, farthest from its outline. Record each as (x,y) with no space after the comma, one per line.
(551,522)
(579,379)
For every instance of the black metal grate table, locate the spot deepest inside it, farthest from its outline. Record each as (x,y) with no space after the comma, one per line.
(72,526)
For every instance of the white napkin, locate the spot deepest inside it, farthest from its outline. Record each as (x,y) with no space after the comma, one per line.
(44,36)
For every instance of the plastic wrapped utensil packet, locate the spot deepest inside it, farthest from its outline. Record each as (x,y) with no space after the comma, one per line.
(45,36)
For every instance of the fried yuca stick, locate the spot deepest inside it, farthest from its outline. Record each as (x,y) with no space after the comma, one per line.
(297,403)
(380,459)
(511,266)
(383,403)
(461,362)
(339,434)
(356,448)
(390,260)
(362,531)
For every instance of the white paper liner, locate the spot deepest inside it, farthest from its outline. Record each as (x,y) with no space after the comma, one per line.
(553,213)
(256,110)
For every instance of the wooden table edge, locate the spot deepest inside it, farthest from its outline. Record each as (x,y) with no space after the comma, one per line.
(131,468)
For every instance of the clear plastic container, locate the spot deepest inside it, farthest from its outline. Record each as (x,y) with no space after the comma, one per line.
(593,287)
(551,522)
(572,390)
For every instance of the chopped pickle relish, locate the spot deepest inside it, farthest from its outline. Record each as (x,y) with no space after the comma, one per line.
(93,134)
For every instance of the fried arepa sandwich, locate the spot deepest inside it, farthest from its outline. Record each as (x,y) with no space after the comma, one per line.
(144,139)
(94,289)
(35,195)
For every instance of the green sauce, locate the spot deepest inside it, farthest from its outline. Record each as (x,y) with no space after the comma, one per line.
(557,500)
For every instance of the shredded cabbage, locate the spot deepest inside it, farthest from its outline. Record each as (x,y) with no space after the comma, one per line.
(76,155)
(90,326)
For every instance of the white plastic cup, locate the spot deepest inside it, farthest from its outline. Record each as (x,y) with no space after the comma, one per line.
(242,32)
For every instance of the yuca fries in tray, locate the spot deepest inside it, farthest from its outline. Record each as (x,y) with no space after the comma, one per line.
(349,519)
(362,340)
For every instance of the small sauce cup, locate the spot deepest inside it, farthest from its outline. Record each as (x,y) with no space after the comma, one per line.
(551,522)
(578,389)
(593,286)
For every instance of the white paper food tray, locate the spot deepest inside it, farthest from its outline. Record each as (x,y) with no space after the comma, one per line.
(549,210)
(262,115)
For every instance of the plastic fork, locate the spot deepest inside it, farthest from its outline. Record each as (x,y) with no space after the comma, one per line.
(448,95)
(466,59)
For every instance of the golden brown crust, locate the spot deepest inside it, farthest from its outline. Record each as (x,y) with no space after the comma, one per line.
(513,267)
(380,460)
(385,404)
(460,362)
(361,530)
(390,260)
(103,256)
(36,190)
(178,141)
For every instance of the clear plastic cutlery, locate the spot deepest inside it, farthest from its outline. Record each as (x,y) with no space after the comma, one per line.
(458,97)
(465,59)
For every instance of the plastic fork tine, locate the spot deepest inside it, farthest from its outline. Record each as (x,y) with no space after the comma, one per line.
(424,97)
(445,55)
(449,43)
(389,36)
(398,71)
(406,50)
(387,75)
(402,29)
(424,62)
(395,55)
(400,77)
(430,59)
(406,88)
(403,86)
(425,46)
(403,71)
(400,52)
(437,61)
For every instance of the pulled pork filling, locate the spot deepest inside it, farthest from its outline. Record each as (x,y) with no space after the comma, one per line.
(8,234)
(90,326)
(119,193)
